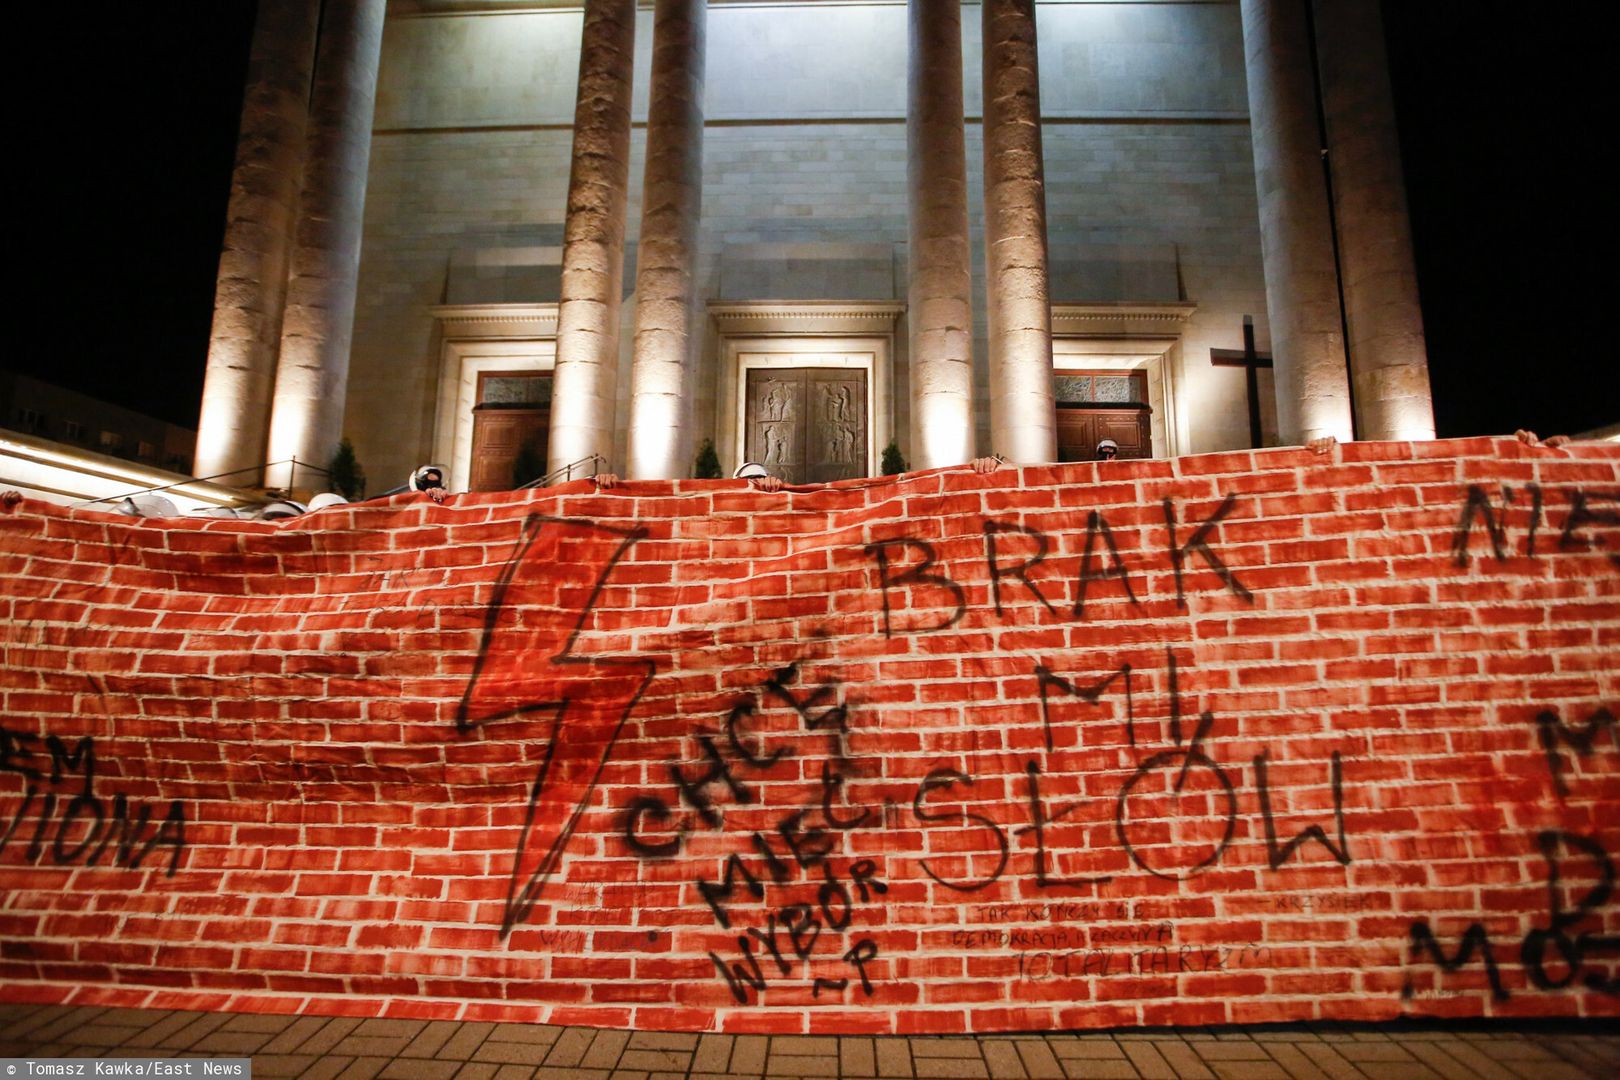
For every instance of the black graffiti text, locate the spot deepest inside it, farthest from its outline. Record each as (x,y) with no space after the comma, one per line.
(87,829)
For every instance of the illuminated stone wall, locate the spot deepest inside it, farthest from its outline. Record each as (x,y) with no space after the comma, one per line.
(1149,186)
(1233,738)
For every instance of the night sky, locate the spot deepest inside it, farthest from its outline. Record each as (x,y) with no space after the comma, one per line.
(131,140)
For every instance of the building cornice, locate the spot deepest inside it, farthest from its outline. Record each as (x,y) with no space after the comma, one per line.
(739,317)
(1162,317)
(496,320)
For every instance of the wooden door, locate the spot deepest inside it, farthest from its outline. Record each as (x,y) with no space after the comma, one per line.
(807,425)
(1080,428)
(504,437)
(511,428)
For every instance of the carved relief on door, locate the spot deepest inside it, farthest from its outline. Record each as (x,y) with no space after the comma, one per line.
(807,425)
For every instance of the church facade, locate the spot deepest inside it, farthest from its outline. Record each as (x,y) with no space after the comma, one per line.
(512,235)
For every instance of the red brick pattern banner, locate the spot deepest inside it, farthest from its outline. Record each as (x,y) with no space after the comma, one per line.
(1233,738)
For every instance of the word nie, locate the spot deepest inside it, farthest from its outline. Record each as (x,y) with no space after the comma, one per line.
(1477,506)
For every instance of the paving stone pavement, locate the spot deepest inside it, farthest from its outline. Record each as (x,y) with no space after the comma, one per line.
(348,1048)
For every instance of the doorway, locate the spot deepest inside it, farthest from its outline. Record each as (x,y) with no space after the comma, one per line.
(1097,405)
(807,425)
(511,429)
(853,339)
(478,340)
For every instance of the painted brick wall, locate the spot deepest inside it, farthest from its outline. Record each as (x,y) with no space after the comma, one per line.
(1234,738)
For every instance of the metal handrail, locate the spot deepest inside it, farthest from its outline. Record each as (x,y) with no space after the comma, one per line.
(294,462)
(566,472)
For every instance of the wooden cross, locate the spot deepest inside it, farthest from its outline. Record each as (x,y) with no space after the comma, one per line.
(1251,362)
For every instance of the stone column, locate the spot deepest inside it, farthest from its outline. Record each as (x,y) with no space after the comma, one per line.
(1388,357)
(940,311)
(666,257)
(306,419)
(1296,235)
(593,238)
(1022,418)
(252,286)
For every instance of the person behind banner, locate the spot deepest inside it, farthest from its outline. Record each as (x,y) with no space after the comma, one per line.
(761,479)
(428,479)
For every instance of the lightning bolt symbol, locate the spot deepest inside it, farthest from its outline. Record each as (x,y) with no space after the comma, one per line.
(583,701)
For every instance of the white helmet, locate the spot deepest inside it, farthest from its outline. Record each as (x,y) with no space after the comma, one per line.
(325,499)
(148,506)
(280,509)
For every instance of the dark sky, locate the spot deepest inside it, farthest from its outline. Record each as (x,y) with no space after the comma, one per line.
(1503,109)
(133,108)
(123,202)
